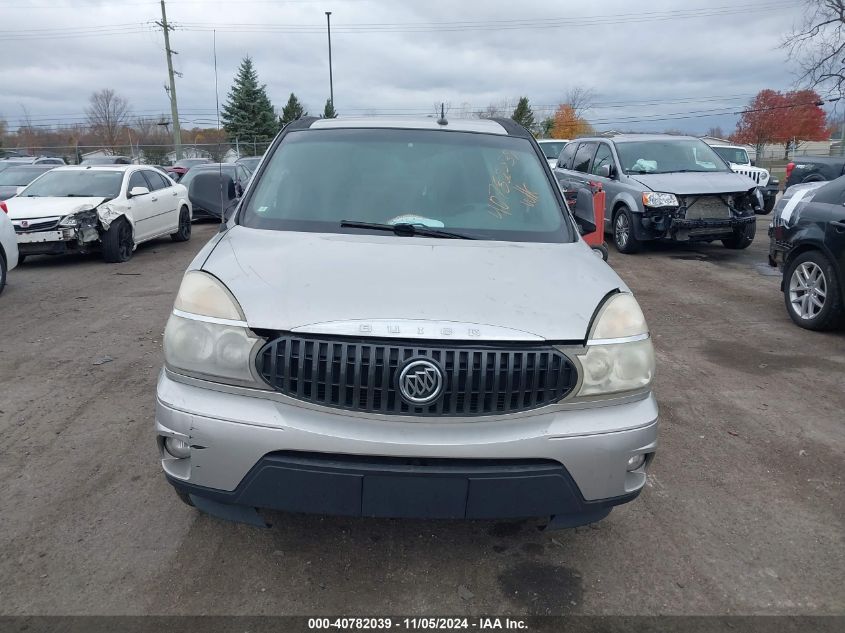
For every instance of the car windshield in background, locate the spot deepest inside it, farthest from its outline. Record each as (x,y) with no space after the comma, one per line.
(229,170)
(483,186)
(19,176)
(76,183)
(552,150)
(735,155)
(250,163)
(667,156)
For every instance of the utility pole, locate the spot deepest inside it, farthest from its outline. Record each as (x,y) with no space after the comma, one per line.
(174,110)
(329,27)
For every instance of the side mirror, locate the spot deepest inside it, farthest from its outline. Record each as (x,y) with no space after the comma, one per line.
(138,191)
(607,171)
(584,213)
(213,192)
(753,163)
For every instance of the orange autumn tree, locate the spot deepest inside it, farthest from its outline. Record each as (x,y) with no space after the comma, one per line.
(567,123)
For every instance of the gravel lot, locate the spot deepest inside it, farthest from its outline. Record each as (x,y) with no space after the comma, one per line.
(743,513)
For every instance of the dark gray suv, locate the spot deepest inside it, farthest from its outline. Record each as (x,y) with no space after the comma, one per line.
(663,187)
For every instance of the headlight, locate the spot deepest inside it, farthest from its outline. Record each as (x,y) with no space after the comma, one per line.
(88,217)
(655,199)
(207,336)
(620,356)
(69,220)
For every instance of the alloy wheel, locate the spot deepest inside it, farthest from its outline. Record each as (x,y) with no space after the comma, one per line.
(622,230)
(125,241)
(807,290)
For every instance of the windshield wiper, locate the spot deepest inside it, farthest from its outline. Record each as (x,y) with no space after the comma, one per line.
(405,229)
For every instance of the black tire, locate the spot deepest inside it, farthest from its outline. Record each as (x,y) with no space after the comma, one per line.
(742,239)
(623,232)
(601,249)
(831,313)
(183,234)
(117,242)
(2,272)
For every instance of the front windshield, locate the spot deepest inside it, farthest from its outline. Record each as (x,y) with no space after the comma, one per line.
(76,183)
(735,155)
(18,177)
(192,173)
(481,185)
(552,150)
(666,156)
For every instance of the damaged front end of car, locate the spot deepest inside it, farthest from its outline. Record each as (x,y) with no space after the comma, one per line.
(79,231)
(704,217)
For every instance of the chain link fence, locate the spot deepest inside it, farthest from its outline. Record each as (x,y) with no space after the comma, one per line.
(148,154)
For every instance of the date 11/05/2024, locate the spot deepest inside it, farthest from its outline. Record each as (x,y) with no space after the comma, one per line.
(417,624)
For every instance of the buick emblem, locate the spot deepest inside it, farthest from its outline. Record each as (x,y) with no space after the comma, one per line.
(420,382)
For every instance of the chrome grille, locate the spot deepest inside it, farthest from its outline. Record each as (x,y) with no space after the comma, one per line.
(359,375)
(37,224)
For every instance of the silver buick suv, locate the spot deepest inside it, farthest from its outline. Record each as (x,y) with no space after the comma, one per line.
(400,319)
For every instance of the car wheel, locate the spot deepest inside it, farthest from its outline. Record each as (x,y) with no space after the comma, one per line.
(811,292)
(742,239)
(117,242)
(184,232)
(623,232)
(2,273)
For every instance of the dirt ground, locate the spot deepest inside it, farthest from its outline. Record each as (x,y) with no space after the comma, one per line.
(743,513)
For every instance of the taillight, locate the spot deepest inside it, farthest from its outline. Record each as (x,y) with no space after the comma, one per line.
(4,207)
(789,168)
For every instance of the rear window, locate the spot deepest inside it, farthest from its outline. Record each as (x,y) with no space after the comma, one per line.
(481,185)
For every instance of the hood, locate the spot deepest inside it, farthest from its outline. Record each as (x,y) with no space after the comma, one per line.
(686,184)
(28,208)
(286,280)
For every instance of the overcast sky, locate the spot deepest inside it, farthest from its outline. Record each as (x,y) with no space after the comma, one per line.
(656,59)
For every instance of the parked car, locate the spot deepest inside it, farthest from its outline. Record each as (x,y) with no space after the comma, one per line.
(113,208)
(420,334)
(12,179)
(552,147)
(237,172)
(663,187)
(8,245)
(250,162)
(814,169)
(33,160)
(181,167)
(737,157)
(107,160)
(807,243)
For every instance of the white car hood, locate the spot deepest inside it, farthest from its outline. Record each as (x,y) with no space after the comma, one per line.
(288,280)
(29,208)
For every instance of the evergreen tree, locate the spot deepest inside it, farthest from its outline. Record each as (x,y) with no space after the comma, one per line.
(248,114)
(329,112)
(292,111)
(522,114)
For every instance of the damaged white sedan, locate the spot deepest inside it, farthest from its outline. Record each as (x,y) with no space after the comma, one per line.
(107,208)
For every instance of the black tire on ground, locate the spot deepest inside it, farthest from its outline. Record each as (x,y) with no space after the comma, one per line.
(183,233)
(117,242)
(623,232)
(741,239)
(601,249)
(809,280)
(2,272)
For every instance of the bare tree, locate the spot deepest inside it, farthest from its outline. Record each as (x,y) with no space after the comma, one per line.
(716,132)
(502,110)
(107,114)
(818,45)
(581,100)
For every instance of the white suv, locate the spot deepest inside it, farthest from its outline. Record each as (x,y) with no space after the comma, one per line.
(737,158)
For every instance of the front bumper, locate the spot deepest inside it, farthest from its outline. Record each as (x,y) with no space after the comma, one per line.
(56,241)
(250,448)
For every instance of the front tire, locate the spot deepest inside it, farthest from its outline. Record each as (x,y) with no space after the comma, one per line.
(118,243)
(2,273)
(811,292)
(623,232)
(741,239)
(183,234)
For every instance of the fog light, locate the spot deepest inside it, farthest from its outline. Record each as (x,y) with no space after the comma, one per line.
(178,448)
(635,462)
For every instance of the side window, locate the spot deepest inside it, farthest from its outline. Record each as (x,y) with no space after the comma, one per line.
(155,180)
(136,180)
(564,161)
(582,157)
(603,157)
